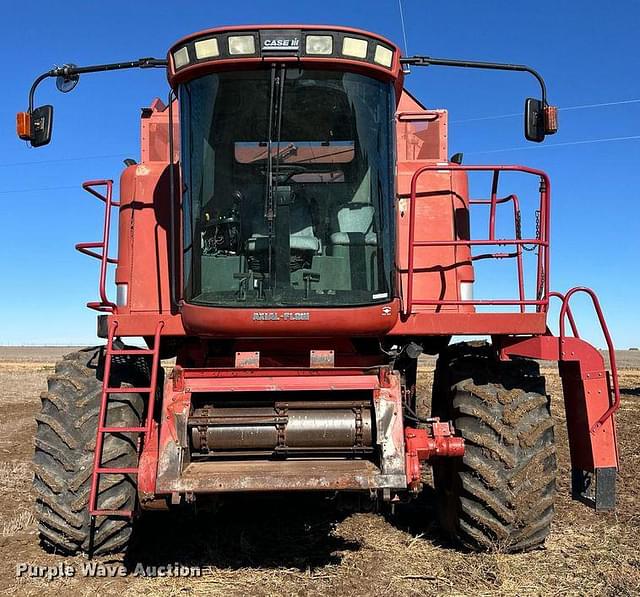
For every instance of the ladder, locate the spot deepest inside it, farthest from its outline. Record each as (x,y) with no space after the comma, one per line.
(103,429)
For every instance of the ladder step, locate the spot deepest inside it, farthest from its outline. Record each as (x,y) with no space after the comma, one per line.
(132,351)
(128,390)
(131,470)
(128,513)
(122,429)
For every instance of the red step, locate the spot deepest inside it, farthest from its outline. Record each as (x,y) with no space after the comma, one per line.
(128,513)
(127,390)
(122,429)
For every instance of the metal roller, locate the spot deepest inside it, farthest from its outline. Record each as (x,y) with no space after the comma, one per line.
(283,427)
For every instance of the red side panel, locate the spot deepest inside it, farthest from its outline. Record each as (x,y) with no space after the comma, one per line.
(441,210)
(420,134)
(442,213)
(143,246)
(143,251)
(587,396)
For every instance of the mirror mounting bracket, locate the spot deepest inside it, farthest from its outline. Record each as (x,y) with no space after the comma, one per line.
(35,124)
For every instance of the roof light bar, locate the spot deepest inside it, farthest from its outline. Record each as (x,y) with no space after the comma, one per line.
(268,43)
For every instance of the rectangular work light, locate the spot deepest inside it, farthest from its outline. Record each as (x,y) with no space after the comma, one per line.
(181,57)
(241,44)
(383,56)
(319,44)
(352,46)
(207,48)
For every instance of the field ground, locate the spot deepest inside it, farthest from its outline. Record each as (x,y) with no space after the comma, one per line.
(306,546)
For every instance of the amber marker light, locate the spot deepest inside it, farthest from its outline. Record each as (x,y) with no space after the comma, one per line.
(23,125)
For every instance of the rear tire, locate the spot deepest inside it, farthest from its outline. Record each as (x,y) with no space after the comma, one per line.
(64,449)
(500,495)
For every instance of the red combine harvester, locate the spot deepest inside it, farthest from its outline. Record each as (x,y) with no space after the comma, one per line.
(296,236)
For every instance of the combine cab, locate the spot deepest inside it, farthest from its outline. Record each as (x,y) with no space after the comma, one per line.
(295,235)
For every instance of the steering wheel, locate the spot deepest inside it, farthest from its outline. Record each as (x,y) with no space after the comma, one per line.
(285,172)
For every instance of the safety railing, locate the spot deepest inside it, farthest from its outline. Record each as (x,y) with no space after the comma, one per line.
(566,314)
(100,249)
(541,241)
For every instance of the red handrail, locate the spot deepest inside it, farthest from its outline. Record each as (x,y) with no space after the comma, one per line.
(104,304)
(541,241)
(494,201)
(572,321)
(565,311)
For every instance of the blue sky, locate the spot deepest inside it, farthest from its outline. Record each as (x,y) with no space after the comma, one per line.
(588,55)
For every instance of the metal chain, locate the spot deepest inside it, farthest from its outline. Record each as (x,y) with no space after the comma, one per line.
(534,247)
(359,441)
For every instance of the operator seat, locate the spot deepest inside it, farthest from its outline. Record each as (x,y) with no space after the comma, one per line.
(302,237)
(355,224)
(356,240)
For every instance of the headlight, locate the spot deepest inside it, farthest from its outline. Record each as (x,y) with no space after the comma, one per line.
(242,44)
(319,44)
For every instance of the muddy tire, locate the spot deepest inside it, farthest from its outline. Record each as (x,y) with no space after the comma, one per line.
(500,495)
(64,449)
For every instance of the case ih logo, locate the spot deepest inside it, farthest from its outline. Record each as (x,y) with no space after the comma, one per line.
(281,43)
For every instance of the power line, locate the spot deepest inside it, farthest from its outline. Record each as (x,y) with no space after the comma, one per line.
(518,148)
(57,160)
(583,106)
(578,107)
(567,143)
(75,186)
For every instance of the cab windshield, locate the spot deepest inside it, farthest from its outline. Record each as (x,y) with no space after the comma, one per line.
(287,188)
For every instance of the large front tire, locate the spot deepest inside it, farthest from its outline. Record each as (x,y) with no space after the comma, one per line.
(64,450)
(500,495)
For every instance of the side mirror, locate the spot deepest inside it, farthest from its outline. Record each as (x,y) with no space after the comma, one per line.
(36,126)
(533,120)
(539,120)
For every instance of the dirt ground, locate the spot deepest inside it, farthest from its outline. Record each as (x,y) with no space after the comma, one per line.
(305,545)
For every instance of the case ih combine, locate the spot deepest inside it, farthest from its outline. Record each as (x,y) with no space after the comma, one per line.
(296,236)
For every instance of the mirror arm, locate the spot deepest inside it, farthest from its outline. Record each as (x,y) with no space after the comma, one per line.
(428,61)
(68,70)
(32,91)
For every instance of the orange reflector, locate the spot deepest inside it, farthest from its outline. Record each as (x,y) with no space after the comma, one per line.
(23,125)
(550,120)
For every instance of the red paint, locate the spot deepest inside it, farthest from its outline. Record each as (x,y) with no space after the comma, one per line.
(265,380)
(422,445)
(148,465)
(374,320)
